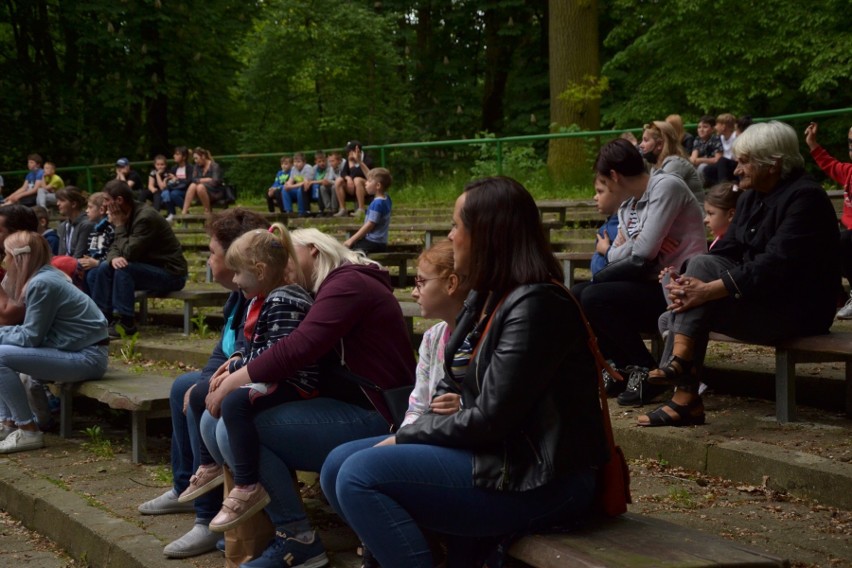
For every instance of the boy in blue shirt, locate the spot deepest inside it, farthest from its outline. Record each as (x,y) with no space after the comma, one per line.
(607,200)
(273,194)
(26,194)
(373,234)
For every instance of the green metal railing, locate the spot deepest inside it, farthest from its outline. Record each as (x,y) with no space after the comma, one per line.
(384,148)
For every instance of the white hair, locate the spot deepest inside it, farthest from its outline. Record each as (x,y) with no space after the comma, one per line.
(767,142)
(332,254)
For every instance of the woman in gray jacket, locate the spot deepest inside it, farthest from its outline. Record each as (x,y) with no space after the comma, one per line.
(659,225)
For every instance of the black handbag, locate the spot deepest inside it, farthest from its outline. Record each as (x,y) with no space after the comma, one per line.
(396,398)
(631,269)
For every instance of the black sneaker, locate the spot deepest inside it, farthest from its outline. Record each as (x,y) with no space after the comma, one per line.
(612,386)
(639,391)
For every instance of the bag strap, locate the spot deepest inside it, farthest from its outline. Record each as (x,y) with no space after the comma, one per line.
(349,374)
(601,364)
(487,327)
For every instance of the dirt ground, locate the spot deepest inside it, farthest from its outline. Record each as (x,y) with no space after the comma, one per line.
(810,534)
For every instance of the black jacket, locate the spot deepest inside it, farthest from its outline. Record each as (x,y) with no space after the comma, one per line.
(787,248)
(531,412)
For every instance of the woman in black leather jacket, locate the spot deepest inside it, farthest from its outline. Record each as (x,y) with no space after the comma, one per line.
(522,452)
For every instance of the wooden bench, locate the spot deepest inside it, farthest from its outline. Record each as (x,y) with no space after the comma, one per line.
(398,259)
(571,261)
(636,541)
(410,310)
(191,299)
(145,396)
(832,348)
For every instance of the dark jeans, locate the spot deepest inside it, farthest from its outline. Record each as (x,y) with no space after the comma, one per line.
(186,440)
(619,313)
(113,289)
(723,170)
(388,494)
(370,246)
(173,198)
(295,436)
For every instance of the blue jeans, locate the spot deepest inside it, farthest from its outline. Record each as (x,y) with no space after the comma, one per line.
(46,364)
(387,494)
(112,290)
(186,439)
(173,198)
(295,436)
(287,196)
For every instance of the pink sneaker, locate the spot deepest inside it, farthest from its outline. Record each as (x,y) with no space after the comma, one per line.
(238,507)
(205,479)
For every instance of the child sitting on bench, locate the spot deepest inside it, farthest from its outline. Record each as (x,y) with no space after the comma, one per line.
(263,264)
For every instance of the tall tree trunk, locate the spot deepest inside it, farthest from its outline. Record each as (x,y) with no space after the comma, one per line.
(498,55)
(574,64)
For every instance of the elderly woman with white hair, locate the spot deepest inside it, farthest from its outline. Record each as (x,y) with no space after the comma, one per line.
(773,276)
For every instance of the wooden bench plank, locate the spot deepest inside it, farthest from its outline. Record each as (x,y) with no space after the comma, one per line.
(833,347)
(571,261)
(398,259)
(145,396)
(635,541)
(191,298)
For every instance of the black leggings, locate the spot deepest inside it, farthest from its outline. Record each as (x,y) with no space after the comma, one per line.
(619,313)
(239,409)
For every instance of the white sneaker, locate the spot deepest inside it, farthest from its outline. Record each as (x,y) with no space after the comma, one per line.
(5,431)
(845,312)
(21,441)
(170,218)
(199,540)
(340,213)
(359,212)
(165,504)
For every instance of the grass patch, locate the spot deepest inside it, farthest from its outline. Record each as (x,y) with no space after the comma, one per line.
(162,474)
(97,444)
(442,193)
(681,498)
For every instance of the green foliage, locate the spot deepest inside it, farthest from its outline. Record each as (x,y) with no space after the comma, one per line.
(162,474)
(768,59)
(681,497)
(91,80)
(97,444)
(519,160)
(317,74)
(589,89)
(129,353)
(200,324)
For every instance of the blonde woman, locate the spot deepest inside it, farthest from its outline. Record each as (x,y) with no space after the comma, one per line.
(63,336)
(661,147)
(355,326)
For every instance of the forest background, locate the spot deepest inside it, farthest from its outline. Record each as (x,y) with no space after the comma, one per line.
(87,81)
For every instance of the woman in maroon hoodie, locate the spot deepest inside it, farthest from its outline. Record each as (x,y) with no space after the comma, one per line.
(355,325)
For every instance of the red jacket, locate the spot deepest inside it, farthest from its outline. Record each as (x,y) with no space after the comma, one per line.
(355,303)
(842,174)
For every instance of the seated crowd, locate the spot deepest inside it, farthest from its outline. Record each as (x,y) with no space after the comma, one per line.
(314,343)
